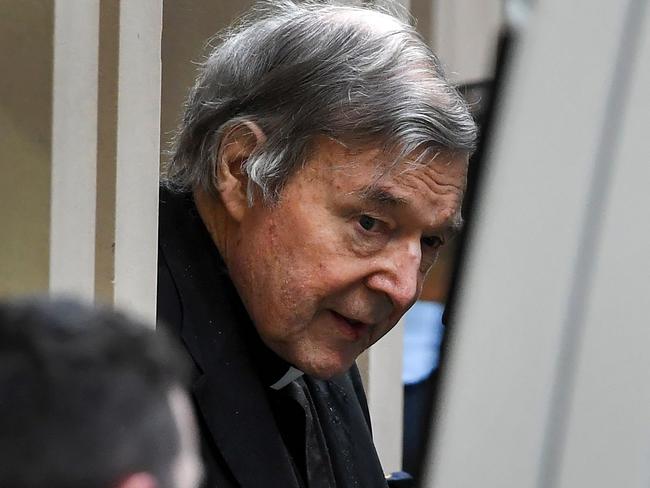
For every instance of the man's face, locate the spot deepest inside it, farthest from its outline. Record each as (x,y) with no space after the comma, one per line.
(331,268)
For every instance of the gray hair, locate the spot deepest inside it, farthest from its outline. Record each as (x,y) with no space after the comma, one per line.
(358,75)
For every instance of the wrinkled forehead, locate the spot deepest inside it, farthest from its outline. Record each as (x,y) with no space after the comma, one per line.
(376,162)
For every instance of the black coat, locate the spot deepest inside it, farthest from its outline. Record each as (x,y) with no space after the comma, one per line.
(242,445)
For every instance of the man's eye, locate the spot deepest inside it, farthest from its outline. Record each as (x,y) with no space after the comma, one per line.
(367,222)
(432,241)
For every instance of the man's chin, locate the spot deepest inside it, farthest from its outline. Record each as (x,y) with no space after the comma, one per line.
(325,369)
(317,359)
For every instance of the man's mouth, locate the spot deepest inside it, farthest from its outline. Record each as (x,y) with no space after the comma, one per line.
(352,328)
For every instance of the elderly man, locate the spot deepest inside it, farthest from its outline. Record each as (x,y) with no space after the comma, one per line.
(319,168)
(89,398)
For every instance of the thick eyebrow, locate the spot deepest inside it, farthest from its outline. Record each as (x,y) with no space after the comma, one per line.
(382,197)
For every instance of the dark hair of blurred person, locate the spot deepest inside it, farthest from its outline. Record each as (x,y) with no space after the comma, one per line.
(90,399)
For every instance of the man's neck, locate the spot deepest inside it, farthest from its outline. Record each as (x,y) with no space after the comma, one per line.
(275,371)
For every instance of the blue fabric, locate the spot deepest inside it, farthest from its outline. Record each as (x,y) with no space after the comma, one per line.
(422,337)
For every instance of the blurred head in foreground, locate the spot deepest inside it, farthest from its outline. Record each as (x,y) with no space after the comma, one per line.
(92,399)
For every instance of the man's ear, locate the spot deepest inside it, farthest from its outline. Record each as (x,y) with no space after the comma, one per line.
(237,145)
(138,480)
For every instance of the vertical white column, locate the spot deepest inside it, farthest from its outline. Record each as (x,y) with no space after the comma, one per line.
(384,390)
(606,442)
(520,324)
(138,157)
(74,148)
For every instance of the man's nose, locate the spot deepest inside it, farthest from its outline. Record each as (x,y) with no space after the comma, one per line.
(397,274)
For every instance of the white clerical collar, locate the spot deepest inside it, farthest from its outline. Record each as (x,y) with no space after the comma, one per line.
(291,374)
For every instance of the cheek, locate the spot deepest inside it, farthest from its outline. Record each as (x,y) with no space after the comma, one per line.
(300,298)
(305,253)
(302,287)
(288,283)
(300,261)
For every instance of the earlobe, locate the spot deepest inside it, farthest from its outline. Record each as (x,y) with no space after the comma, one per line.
(237,145)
